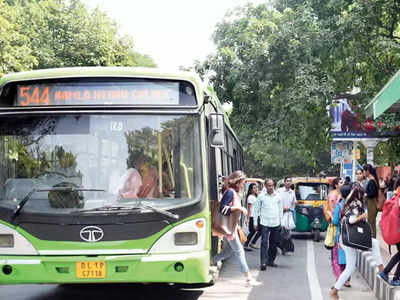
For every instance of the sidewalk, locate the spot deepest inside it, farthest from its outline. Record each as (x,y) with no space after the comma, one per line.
(292,268)
(367,267)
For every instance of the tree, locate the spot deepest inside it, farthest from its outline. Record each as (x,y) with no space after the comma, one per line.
(15,54)
(62,33)
(282,67)
(268,65)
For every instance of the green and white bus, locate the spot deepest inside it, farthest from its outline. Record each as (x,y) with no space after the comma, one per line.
(106,175)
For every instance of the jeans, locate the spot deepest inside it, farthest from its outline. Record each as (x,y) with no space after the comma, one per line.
(233,247)
(269,241)
(252,232)
(351,257)
(393,261)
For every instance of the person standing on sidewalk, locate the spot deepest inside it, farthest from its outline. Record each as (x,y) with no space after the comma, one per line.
(371,195)
(231,204)
(361,179)
(251,198)
(334,195)
(270,210)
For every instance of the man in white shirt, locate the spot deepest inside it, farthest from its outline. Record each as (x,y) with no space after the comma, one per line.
(269,208)
(288,196)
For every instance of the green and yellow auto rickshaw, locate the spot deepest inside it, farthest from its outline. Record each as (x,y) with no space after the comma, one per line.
(312,198)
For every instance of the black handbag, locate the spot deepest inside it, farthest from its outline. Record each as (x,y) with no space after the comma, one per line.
(357,235)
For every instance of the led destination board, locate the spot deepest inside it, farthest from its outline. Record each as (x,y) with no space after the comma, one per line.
(132,93)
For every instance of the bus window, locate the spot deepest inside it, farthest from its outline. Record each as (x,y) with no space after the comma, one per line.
(153,158)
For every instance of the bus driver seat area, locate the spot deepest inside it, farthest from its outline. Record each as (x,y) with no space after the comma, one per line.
(131,183)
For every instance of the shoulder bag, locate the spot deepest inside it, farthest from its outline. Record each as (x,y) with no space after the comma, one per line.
(330,236)
(241,234)
(223,225)
(357,235)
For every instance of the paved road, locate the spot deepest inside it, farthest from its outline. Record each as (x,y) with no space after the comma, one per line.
(289,281)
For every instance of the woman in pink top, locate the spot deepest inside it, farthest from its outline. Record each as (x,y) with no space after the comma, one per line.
(334,195)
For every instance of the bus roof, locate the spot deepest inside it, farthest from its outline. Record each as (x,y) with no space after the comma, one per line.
(134,72)
(99,72)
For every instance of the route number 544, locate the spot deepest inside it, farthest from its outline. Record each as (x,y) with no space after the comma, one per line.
(28,95)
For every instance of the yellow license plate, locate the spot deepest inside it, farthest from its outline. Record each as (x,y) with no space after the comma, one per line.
(90,269)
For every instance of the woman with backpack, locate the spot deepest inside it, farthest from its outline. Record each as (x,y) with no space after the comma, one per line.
(395,258)
(231,204)
(354,211)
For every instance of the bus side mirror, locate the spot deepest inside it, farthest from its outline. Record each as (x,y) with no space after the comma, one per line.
(217,133)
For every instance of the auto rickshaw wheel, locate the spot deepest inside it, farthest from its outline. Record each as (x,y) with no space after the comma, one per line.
(317,235)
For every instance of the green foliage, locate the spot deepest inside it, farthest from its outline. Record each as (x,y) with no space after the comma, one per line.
(61,33)
(15,54)
(282,67)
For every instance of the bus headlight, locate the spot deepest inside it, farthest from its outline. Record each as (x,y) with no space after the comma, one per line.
(6,240)
(14,243)
(186,238)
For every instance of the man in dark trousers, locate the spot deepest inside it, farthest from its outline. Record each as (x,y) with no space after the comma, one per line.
(270,210)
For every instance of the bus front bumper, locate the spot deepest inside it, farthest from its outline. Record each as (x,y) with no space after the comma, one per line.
(187,268)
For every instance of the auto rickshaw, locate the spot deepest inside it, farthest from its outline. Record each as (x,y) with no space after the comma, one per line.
(312,197)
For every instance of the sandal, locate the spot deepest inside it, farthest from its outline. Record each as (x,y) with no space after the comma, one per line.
(251,282)
(347,284)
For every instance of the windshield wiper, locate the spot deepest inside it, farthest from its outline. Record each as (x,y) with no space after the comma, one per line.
(28,196)
(109,208)
(106,208)
(161,211)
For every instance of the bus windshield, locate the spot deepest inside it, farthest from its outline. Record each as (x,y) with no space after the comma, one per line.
(75,162)
(311,191)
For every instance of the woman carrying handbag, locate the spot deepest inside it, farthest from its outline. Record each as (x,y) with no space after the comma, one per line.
(353,212)
(231,207)
(338,255)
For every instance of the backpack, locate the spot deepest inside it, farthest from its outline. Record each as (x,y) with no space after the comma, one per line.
(390,221)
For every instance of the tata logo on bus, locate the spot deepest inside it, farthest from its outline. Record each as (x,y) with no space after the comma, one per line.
(91,234)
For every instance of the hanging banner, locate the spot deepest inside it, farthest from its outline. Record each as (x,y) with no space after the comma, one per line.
(347,122)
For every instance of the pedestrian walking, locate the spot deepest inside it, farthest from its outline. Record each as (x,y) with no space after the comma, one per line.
(289,201)
(288,197)
(270,210)
(251,198)
(338,257)
(231,204)
(371,195)
(354,211)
